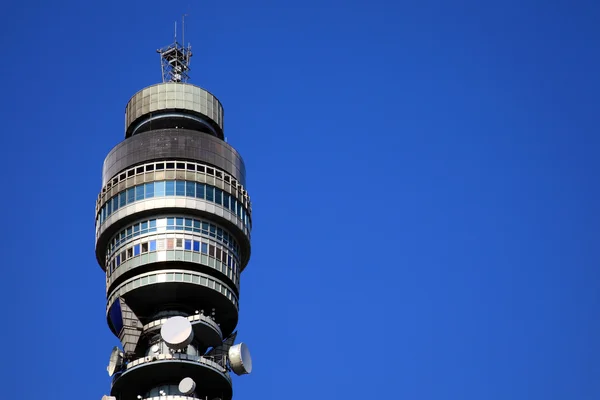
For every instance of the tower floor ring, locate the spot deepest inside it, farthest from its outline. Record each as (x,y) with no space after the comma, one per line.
(181,288)
(178,144)
(142,374)
(174,259)
(165,188)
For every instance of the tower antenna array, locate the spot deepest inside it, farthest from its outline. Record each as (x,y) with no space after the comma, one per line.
(175,58)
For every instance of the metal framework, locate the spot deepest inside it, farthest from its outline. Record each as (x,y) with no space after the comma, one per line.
(175,62)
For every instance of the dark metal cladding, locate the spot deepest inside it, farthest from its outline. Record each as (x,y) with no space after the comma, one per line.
(174,144)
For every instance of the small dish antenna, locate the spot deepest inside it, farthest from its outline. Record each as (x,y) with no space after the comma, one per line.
(177,332)
(239,359)
(187,386)
(107,397)
(116,361)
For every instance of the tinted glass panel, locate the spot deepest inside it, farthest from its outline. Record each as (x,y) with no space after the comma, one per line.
(149,190)
(159,189)
(180,188)
(130,195)
(190,189)
(139,192)
(170,188)
(200,187)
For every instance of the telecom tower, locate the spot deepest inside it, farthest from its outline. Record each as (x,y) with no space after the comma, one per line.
(173,225)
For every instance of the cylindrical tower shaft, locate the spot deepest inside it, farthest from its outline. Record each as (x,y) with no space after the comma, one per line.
(173,222)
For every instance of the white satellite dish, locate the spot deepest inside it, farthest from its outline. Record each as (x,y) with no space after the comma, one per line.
(177,332)
(239,359)
(107,397)
(187,386)
(116,361)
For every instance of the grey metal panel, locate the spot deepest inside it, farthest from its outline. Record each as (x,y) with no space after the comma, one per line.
(170,96)
(174,144)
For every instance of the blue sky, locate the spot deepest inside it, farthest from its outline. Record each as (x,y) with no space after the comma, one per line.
(423,176)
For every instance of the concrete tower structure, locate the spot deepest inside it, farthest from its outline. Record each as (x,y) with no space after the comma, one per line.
(173,223)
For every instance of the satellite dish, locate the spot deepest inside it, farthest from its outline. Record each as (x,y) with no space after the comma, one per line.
(187,386)
(116,361)
(107,397)
(177,332)
(239,359)
(154,348)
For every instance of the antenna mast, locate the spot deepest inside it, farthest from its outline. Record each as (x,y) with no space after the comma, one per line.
(175,58)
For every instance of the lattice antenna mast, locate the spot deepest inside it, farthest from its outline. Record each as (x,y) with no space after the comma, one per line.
(175,58)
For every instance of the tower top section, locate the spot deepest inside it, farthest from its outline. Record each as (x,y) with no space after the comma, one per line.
(175,58)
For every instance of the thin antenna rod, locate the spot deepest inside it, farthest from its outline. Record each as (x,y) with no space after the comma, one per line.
(175,32)
(183,30)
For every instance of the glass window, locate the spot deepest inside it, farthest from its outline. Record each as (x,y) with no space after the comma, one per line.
(213,229)
(129,232)
(130,195)
(170,222)
(149,190)
(211,250)
(160,166)
(115,203)
(196,245)
(136,250)
(233,204)
(145,247)
(190,189)
(145,226)
(170,188)
(188,244)
(139,192)
(226,197)
(180,188)
(196,225)
(179,243)
(205,228)
(122,199)
(109,207)
(152,245)
(179,224)
(200,190)
(204,248)
(159,189)
(218,196)
(129,253)
(136,229)
(188,223)
(118,260)
(169,244)
(210,193)
(152,223)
